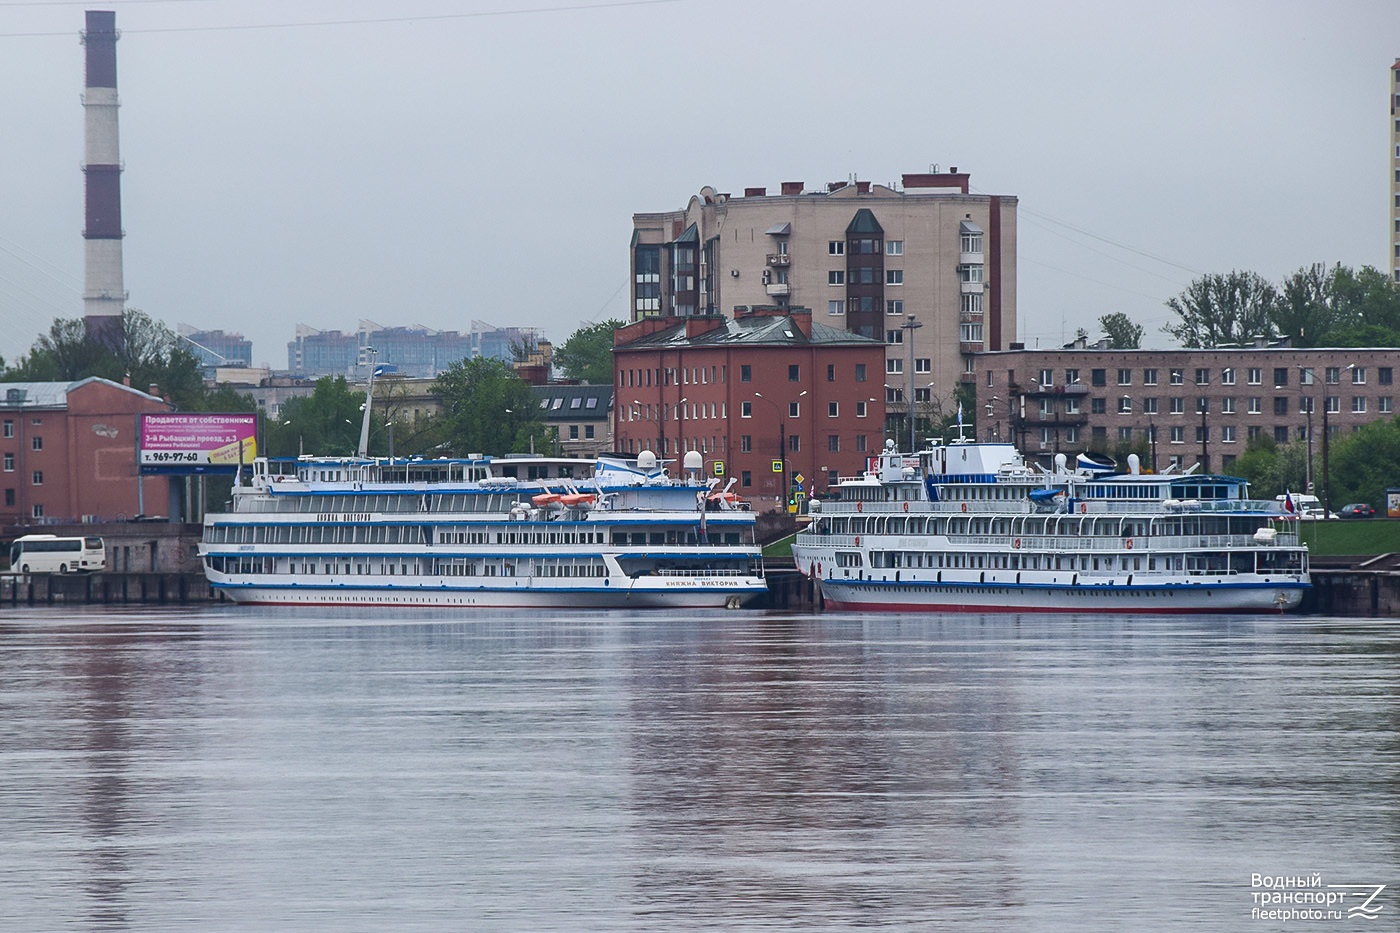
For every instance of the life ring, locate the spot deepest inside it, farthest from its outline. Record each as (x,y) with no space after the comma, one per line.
(281,478)
(1128,544)
(860,507)
(1016,543)
(964,506)
(1083,507)
(857,540)
(906,506)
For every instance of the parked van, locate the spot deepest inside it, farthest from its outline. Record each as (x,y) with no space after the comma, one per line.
(1307,508)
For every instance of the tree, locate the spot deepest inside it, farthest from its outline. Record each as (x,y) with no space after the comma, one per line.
(1367,307)
(1224,309)
(149,355)
(1121,330)
(587,354)
(326,422)
(1364,464)
(488,409)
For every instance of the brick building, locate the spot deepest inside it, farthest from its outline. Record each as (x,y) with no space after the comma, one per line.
(769,393)
(923,265)
(1179,407)
(69,453)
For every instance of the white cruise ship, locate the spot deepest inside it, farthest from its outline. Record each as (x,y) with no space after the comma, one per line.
(969,526)
(482,532)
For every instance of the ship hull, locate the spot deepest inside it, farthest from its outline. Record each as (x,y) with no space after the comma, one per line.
(1167,598)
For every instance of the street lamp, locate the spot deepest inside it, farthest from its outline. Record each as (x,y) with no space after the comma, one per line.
(1203,406)
(910,325)
(1305,377)
(680,431)
(369,402)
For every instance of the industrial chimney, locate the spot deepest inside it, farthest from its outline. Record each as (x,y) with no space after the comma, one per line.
(104,297)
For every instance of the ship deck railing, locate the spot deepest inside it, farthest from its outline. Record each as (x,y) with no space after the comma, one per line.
(702,572)
(1258,507)
(1061,543)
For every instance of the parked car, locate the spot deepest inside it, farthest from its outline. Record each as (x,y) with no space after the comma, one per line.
(1358,510)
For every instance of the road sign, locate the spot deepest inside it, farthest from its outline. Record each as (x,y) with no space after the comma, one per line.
(777,466)
(718,467)
(798,478)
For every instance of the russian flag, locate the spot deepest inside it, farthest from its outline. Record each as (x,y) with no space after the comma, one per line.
(1288,505)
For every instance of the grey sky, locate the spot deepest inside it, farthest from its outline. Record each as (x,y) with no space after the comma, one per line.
(442,170)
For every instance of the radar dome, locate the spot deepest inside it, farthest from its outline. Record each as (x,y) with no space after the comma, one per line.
(646,460)
(693,460)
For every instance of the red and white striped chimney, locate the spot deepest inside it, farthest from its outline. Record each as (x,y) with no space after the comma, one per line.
(104,296)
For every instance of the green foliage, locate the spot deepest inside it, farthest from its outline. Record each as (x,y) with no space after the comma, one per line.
(1224,309)
(1122,331)
(587,354)
(150,355)
(1364,464)
(1316,306)
(325,423)
(488,409)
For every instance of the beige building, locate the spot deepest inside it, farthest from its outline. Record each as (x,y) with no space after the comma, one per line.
(1395,170)
(923,265)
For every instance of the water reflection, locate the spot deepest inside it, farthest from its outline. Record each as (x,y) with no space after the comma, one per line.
(321,770)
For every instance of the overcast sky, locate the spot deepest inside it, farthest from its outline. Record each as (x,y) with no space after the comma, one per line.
(432,162)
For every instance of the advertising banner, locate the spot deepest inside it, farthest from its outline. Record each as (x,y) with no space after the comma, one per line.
(197,442)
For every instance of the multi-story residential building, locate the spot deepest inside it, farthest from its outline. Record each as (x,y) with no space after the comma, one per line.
(68,453)
(771,398)
(1395,170)
(1180,407)
(411,351)
(924,266)
(216,349)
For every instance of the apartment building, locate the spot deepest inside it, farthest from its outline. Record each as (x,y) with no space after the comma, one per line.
(925,266)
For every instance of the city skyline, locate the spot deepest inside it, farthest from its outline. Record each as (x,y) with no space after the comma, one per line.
(320,163)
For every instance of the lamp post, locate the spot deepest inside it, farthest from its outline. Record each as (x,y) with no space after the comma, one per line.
(1152,434)
(782,445)
(1305,377)
(679,412)
(1203,406)
(369,402)
(910,325)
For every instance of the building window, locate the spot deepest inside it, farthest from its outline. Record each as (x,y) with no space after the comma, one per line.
(860,442)
(1125,406)
(1098,377)
(894,336)
(923,365)
(794,444)
(1178,435)
(1227,434)
(1098,406)
(1227,406)
(745,443)
(1149,377)
(1227,377)
(36,442)
(1358,404)
(894,247)
(1256,376)
(1202,377)
(835,306)
(894,306)
(972,303)
(1280,434)
(1071,406)
(860,372)
(1280,406)
(794,409)
(830,372)
(38,478)
(861,409)
(893,395)
(745,373)
(9,497)
(794,373)
(833,409)
(836,248)
(746,409)
(1149,406)
(1386,404)
(833,443)
(894,276)
(970,332)
(573,432)
(588,432)
(1384,375)
(1256,405)
(1125,377)
(37,511)
(970,273)
(1125,434)
(1358,376)
(746,478)
(894,365)
(9,427)
(9,463)
(836,277)
(1176,377)
(1178,405)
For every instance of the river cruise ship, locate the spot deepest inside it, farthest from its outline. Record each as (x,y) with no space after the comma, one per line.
(970,526)
(482,531)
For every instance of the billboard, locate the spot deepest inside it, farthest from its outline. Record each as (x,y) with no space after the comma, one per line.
(196,442)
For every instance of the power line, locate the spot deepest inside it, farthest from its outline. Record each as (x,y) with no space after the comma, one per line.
(437,17)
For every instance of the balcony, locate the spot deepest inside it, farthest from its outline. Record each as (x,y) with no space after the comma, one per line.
(779,260)
(778,289)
